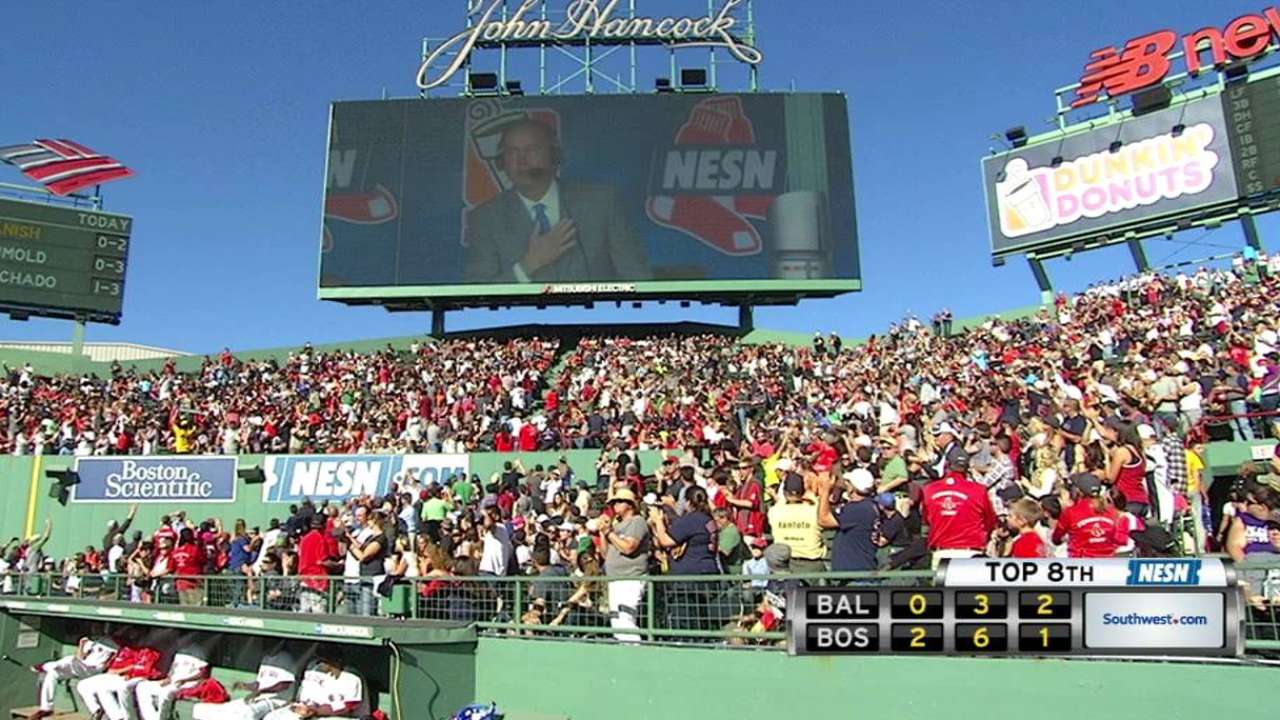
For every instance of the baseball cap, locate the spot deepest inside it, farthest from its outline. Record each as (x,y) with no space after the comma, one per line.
(1087,483)
(794,484)
(1146,432)
(624,495)
(945,427)
(778,556)
(760,542)
(861,479)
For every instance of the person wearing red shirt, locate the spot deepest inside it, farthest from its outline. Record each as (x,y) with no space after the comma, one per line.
(749,501)
(959,513)
(528,437)
(188,560)
(110,694)
(551,401)
(315,557)
(1127,466)
(503,442)
(1089,522)
(1024,515)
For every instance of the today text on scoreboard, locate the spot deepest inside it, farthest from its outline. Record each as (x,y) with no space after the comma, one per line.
(1167,608)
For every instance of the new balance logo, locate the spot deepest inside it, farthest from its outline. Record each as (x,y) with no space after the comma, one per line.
(64,166)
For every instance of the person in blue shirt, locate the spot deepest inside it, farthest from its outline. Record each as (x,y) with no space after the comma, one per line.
(691,542)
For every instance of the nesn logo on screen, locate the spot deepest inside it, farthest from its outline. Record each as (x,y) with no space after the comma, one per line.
(1163,572)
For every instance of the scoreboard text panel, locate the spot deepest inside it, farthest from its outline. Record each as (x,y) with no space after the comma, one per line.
(1140,607)
(63,261)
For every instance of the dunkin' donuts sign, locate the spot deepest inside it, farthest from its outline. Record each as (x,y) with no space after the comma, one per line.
(1096,184)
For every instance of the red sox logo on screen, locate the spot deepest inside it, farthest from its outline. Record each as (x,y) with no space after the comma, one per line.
(482,176)
(715,179)
(354,205)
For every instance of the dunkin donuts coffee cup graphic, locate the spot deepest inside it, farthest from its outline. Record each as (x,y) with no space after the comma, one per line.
(1023,208)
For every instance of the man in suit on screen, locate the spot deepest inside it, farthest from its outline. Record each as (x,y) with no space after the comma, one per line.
(544,229)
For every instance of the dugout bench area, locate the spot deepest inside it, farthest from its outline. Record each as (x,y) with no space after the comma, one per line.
(418,670)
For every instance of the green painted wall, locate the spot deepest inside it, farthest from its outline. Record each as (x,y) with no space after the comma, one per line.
(79,524)
(582,681)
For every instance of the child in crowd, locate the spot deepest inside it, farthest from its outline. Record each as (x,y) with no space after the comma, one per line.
(1024,517)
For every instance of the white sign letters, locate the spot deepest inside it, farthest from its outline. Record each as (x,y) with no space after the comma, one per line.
(592,20)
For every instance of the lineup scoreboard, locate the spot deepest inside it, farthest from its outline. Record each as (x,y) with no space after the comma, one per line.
(1253,126)
(63,262)
(1139,607)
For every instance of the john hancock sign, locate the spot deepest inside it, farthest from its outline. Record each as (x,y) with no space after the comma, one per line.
(602,22)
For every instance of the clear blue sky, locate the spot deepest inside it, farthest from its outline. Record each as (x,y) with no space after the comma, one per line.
(222,109)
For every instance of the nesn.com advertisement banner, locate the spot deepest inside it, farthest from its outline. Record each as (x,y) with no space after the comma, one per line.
(155,479)
(589,190)
(292,478)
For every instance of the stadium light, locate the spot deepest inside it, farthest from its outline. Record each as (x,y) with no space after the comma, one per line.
(482,83)
(514,88)
(1115,146)
(1178,130)
(1235,72)
(1017,136)
(61,489)
(1150,100)
(997,262)
(663,86)
(19,316)
(694,80)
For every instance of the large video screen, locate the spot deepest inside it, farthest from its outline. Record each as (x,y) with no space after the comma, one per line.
(1110,179)
(515,195)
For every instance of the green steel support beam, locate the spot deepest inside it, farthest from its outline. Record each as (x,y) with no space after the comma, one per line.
(437,322)
(1042,280)
(1251,232)
(1139,254)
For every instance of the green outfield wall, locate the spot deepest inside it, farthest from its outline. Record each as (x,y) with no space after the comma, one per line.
(601,680)
(26,505)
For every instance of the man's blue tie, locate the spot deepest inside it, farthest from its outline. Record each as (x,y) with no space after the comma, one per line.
(541,219)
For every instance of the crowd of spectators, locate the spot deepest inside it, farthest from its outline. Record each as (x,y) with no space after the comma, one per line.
(1078,432)
(433,397)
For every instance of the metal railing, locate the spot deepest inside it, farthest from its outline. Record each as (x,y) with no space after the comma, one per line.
(745,610)
(736,609)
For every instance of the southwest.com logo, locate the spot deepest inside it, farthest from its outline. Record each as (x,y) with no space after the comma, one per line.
(1163,572)
(1166,619)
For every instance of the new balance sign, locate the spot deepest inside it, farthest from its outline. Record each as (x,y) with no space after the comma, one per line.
(155,479)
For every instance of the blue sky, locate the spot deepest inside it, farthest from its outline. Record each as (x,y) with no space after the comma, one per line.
(222,109)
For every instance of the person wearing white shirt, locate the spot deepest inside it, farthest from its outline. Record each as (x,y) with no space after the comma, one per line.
(496,548)
(270,690)
(155,697)
(328,690)
(91,658)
